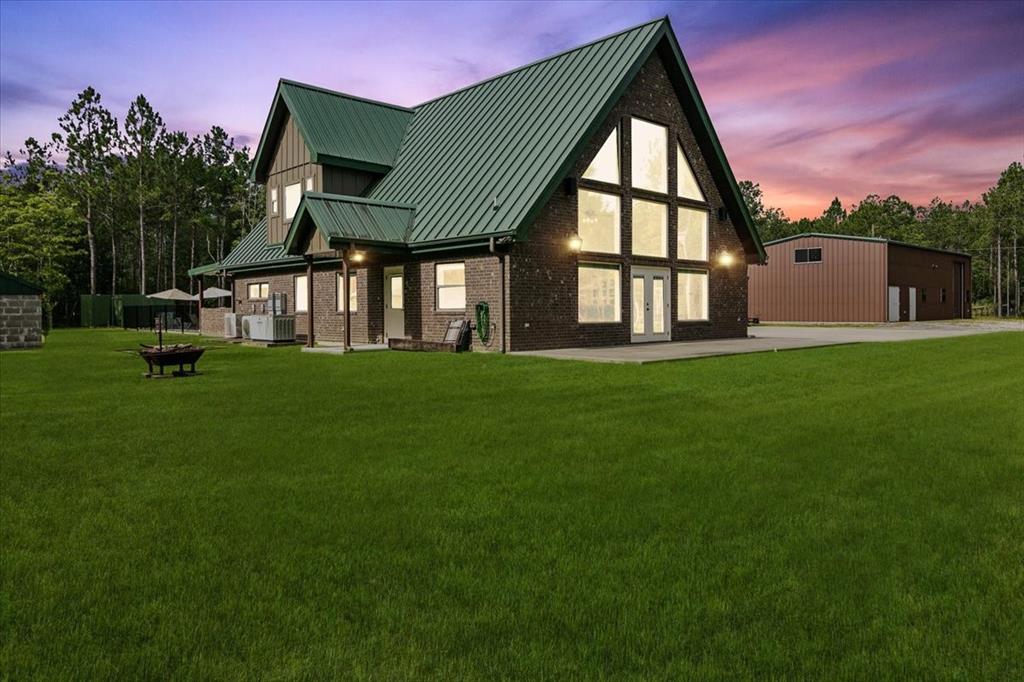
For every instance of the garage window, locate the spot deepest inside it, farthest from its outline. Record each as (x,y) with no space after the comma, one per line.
(807,255)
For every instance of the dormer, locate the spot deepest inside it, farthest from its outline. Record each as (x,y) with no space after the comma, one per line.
(317,140)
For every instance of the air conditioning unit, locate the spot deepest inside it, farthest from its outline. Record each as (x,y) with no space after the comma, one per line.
(270,327)
(246,327)
(232,325)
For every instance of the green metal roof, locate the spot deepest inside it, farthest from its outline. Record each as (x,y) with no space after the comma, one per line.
(204,269)
(338,129)
(476,162)
(253,250)
(14,286)
(343,220)
(482,161)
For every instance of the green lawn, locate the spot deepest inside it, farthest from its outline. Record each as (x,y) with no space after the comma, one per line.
(836,513)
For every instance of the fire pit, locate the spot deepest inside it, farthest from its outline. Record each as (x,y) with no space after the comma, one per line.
(179,354)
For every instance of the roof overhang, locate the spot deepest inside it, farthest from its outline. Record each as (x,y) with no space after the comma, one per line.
(205,269)
(344,221)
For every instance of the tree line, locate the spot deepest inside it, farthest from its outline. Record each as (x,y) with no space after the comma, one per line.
(133,206)
(129,209)
(990,230)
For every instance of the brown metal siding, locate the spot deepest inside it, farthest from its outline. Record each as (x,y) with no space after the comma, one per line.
(348,181)
(291,164)
(931,272)
(848,285)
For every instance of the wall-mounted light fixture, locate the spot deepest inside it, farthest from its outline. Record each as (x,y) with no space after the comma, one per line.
(726,259)
(575,243)
(357,257)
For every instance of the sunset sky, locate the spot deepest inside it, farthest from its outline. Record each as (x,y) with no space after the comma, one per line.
(812,100)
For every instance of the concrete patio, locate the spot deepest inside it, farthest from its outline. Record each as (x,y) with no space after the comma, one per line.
(765,338)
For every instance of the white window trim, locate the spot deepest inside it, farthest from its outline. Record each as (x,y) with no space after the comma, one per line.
(259,286)
(287,207)
(618,291)
(305,289)
(707,295)
(273,201)
(438,286)
(808,249)
(353,292)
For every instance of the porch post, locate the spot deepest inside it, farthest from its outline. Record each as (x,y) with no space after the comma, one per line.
(199,310)
(348,313)
(310,341)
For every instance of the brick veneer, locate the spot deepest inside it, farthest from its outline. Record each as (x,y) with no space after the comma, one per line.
(21,321)
(543,285)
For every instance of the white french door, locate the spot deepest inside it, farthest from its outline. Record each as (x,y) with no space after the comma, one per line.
(651,307)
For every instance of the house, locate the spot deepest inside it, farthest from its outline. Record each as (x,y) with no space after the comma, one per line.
(839,278)
(583,200)
(21,313)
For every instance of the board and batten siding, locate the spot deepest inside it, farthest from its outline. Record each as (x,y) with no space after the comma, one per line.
(292,163)
(848,285)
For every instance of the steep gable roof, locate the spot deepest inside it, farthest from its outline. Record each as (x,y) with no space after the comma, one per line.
(482,161)
(254,250)
(338,129)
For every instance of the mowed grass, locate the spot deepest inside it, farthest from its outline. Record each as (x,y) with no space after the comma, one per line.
(852,512)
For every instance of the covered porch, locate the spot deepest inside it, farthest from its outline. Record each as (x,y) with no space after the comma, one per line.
(361,244)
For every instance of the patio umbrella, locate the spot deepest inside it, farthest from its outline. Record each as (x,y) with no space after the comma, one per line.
(215,292)
(173,295)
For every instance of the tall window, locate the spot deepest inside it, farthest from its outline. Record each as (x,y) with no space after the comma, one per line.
(693,234)
(273,201)
(301,294)
(292,196)
(605,166)
(600,294)
(686,181)
(353,288)
(598,221)
(451,286)
(693,295)
(650,156)
(650,229)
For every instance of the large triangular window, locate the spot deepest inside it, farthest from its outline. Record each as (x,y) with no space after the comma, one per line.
(605,166)
(686,182)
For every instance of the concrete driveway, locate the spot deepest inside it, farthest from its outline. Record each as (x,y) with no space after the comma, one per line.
(764,338)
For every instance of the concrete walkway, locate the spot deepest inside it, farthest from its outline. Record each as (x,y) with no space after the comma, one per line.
(764,338)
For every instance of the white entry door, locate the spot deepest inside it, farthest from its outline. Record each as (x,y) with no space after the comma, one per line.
(894,304)
(912,303)
(394,303)
(651,305)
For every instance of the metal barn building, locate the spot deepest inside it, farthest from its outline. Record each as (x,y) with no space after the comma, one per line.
(837,278)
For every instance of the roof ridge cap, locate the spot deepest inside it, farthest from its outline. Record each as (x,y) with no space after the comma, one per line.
(346,95)
(542,60)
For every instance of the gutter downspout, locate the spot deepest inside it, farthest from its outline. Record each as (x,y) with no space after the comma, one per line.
(501,288)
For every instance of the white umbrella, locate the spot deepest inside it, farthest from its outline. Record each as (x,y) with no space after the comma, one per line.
(173,295)
(215,292)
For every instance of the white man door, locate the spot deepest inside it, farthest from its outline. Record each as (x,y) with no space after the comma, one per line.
(894,304)
(651,309)
(394,303)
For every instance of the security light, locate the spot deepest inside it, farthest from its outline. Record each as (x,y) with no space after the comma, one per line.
(575,243)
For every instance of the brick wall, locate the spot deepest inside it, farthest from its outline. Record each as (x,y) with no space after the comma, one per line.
(211,322)
(543,273)
(21,321)
(422,319)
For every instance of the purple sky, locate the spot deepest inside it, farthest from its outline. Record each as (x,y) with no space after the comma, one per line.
(811,100)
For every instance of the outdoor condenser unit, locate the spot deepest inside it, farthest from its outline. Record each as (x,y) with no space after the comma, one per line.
(269,327)
(232,325)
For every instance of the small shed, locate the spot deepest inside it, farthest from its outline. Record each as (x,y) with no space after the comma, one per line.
(21,313)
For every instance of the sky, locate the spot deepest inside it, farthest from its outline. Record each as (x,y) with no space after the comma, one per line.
(811,100)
